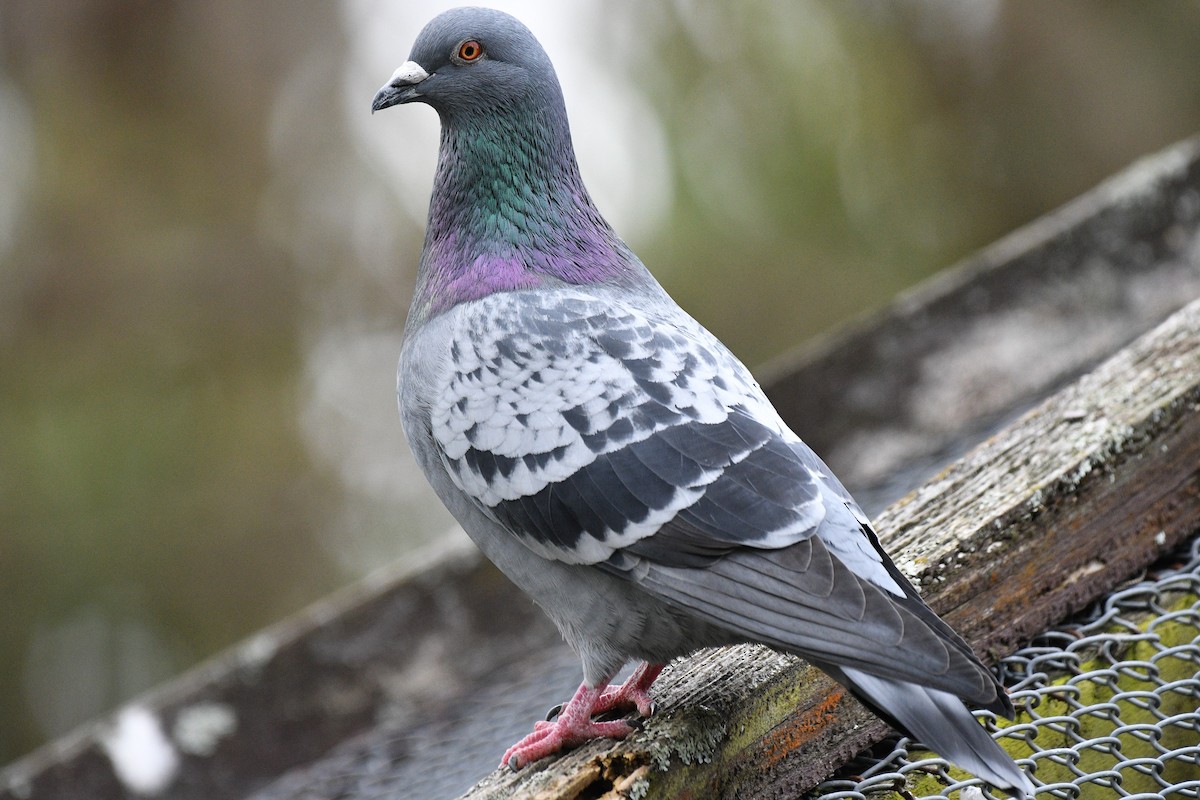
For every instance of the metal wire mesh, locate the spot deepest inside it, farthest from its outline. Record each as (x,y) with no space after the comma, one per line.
(1107,706)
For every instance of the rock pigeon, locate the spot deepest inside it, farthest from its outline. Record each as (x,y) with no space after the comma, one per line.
(610,455)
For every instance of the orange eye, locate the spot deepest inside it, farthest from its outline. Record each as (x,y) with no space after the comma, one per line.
(470,50)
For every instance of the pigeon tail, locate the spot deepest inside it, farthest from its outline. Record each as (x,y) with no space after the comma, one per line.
(943,723)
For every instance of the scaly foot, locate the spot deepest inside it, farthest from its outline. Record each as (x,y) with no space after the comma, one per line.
(633,693)
(575,725)
(550,737)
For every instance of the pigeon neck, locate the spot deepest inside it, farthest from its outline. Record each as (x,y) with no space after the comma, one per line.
(509,211)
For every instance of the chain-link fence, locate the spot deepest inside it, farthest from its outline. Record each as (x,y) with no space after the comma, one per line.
(1108,706)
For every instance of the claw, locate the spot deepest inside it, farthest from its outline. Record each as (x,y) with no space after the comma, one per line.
(574,726)
(633,693)
(586,717)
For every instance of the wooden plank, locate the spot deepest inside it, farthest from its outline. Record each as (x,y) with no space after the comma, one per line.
(303,685)
(1030,526)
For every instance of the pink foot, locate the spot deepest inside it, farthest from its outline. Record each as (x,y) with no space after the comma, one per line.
(550,737)
(633,693)
(575,725)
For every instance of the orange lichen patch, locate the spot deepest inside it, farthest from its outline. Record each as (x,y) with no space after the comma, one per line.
(801,730)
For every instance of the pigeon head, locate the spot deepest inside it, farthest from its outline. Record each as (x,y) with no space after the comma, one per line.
(509,210)
(472,60)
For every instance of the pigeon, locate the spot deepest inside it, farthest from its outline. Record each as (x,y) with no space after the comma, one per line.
(611,456)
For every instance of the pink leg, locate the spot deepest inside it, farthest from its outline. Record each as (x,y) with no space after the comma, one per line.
(574,726)
(633,692)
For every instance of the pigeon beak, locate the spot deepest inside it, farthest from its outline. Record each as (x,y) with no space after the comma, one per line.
(402,88)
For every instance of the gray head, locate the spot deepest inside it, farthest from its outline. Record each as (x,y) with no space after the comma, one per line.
(469,60)
(509,209)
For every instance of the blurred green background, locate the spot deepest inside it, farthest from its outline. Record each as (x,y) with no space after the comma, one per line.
(207,247)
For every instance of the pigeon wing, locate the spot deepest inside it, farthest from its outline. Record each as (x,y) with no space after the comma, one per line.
(583,426)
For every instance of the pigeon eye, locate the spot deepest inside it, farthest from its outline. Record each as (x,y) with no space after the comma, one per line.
(470,50)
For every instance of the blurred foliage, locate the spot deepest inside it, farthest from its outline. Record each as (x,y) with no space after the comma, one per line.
(154,493)
(194,217)
(826,155)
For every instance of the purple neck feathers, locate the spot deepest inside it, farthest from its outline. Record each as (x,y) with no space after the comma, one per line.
(509,211)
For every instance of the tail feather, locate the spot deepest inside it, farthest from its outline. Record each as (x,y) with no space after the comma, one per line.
(943,723)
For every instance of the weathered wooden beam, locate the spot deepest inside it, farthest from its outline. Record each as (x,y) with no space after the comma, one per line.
(300,687)
(1030,526)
